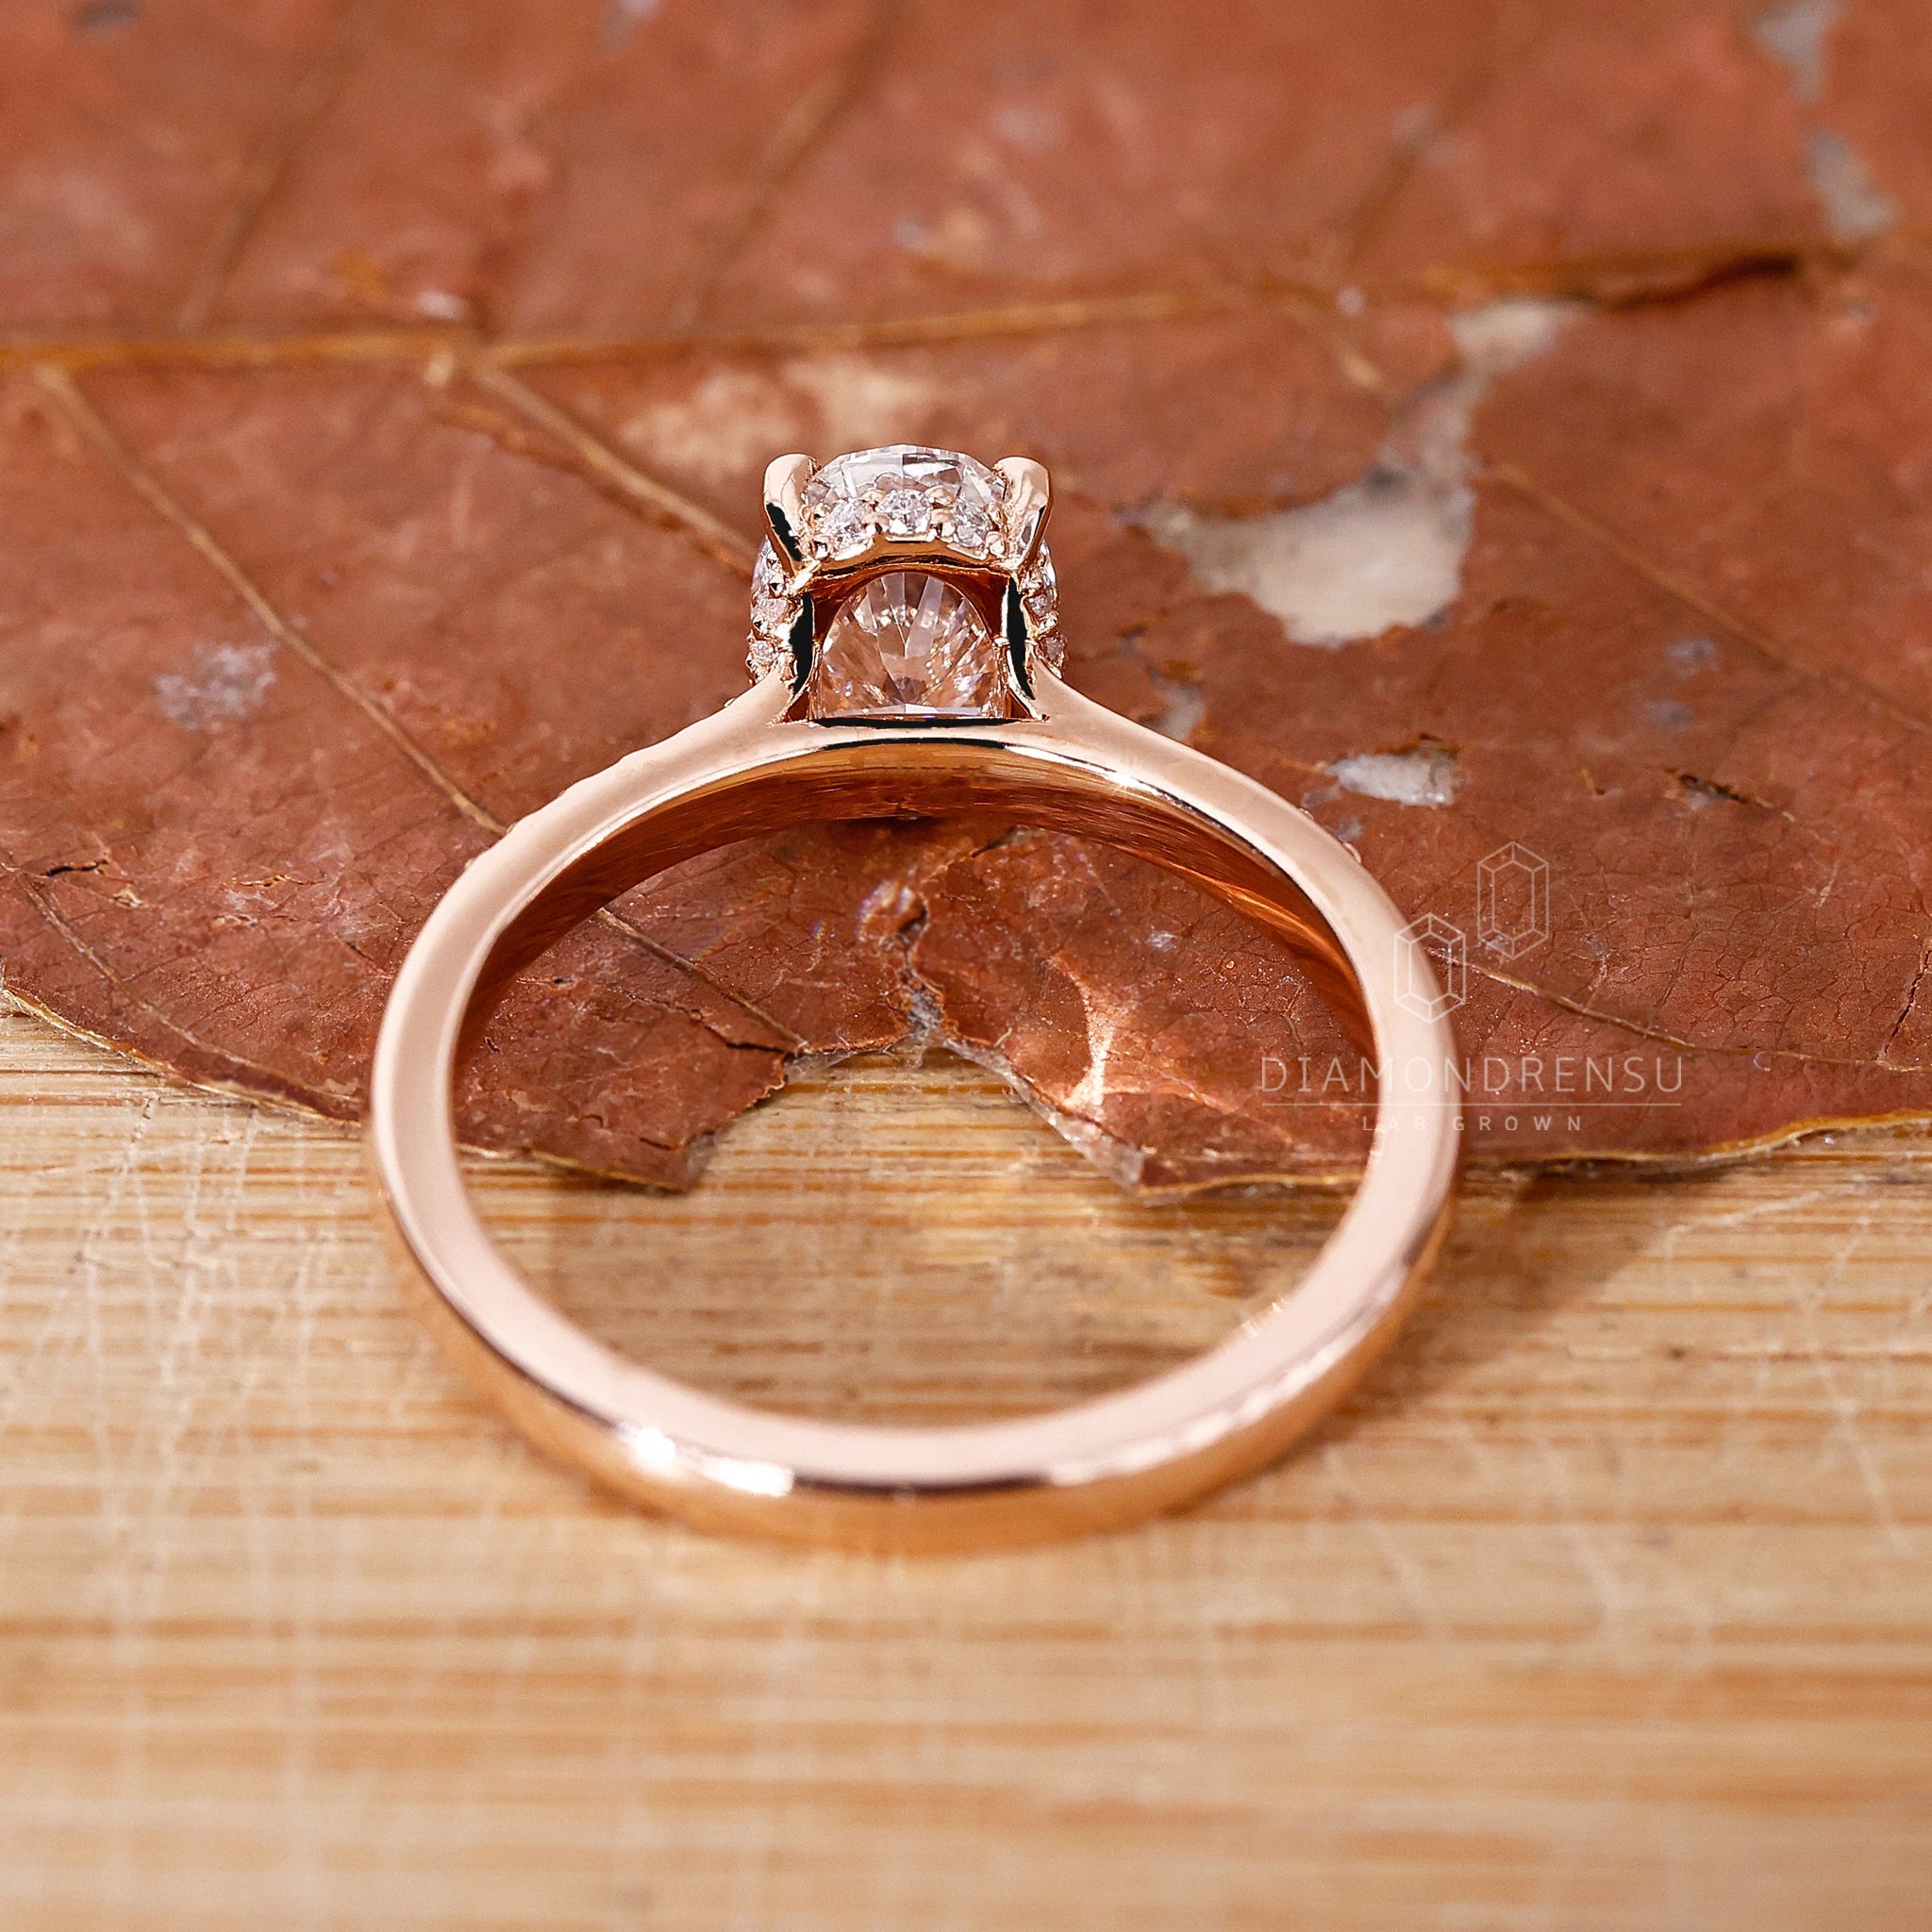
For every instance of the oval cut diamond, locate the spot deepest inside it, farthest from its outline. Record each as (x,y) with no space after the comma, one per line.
(907,645)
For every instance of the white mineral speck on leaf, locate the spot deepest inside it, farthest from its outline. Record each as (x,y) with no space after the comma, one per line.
(1387,549)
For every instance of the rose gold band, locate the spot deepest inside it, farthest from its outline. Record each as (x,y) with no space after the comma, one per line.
(1071,765)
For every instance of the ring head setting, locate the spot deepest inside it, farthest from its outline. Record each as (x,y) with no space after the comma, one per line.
(905,583)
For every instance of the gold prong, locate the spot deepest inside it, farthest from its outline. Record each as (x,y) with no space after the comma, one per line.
(785,481)
(1029,502)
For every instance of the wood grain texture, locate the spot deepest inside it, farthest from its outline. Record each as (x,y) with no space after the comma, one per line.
(1608,1604)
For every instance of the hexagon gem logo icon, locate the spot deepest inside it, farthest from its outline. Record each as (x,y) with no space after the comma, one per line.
(1513,901)
(1428,995)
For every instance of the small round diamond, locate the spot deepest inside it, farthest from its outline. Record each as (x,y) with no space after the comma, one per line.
(844,530)
(971,529)
(1040,592)
(905,510)
(764,656)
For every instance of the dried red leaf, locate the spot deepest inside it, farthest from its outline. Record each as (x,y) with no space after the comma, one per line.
(296,619)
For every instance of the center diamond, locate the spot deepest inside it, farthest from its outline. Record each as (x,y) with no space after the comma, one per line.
(907,646)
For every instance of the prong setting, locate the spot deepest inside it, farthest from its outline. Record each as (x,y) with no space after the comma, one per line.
(1029,504)
(786,480)
(931,516)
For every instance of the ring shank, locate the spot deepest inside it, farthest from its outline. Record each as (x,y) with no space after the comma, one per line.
(1078,769)
(930,777)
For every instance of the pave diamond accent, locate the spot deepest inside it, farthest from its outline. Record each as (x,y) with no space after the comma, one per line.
(903,491)
(773,614)
(907,645)
(1040,597)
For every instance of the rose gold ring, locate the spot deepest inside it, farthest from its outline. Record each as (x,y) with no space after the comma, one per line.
(905,654)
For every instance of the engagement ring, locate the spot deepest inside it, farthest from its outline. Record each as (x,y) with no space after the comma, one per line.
(905,651)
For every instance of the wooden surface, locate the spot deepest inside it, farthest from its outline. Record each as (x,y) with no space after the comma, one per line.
(1608,1604)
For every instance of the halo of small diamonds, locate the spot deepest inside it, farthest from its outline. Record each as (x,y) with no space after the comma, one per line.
(904,493)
